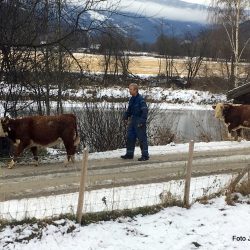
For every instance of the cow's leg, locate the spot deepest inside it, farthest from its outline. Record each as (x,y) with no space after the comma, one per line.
(234,135)
(242,133)
(34,152)
(19,146)
(12,163)
(231,135)
(232,129)
(70,157)
(70,149)
(239,134)
(14,155)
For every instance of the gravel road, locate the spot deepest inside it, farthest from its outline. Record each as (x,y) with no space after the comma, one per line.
(47,179)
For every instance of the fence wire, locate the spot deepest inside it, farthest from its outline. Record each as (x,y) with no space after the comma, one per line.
(109,199)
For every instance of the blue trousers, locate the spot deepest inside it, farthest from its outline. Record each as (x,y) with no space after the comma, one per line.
(132,134)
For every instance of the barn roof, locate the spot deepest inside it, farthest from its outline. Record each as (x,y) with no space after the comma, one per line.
(240,94)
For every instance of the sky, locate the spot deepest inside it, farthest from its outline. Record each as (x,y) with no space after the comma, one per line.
(205,2)
(160,9)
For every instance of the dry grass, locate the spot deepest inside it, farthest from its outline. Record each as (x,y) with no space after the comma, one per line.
(243,188)
(155,66)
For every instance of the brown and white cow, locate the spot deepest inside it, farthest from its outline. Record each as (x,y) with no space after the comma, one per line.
(235,117)
(34,131)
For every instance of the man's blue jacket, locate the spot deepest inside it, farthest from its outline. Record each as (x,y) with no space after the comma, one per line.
(137,110)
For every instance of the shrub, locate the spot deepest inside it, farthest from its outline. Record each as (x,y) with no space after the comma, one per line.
(101,126)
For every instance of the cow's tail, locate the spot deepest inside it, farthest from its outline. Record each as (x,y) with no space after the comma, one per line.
(77,137)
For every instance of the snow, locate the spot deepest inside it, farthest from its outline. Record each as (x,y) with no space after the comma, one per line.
(176,99)
(173,96)
(215,225)
(176,148)
(94,15)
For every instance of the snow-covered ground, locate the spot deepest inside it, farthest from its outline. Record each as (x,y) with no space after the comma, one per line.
(215,226)
(168,98)
(165,98)
(153,93)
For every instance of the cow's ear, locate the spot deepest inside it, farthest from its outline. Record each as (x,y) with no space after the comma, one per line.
(213,106)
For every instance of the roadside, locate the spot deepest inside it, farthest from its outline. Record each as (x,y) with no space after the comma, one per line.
(52,178)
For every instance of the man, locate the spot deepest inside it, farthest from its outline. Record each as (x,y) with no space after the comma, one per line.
(138,112)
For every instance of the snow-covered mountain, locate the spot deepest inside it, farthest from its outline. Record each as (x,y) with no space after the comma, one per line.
(178,10)
(146,29)
(144,19)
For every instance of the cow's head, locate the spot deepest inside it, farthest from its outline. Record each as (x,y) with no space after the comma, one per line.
(221,109)
(4,126)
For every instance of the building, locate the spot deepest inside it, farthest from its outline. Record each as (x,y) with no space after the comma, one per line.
(240,95)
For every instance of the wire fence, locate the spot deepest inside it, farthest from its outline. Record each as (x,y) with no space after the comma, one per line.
(53,201)
(117,198)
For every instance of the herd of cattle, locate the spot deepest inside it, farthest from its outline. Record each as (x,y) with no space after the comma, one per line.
(43,131)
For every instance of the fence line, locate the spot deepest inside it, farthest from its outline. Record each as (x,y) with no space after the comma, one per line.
(109,199)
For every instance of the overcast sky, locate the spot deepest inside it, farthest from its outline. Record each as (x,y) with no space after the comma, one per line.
(205,2)
(162,10)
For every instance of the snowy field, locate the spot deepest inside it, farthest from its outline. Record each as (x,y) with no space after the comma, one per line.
(165,98)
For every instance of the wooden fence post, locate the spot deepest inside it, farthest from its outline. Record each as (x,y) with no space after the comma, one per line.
(238,178)
(248,175)
(188,174)
(83,178)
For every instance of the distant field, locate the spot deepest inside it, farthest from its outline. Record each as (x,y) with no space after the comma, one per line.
(149,65)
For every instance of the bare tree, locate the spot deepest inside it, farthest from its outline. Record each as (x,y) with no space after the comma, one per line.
(194,49)
(230,14)
(34,40)
(114,47)
(167,46)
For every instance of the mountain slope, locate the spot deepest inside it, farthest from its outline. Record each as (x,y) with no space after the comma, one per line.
(145,19)
(146,29)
